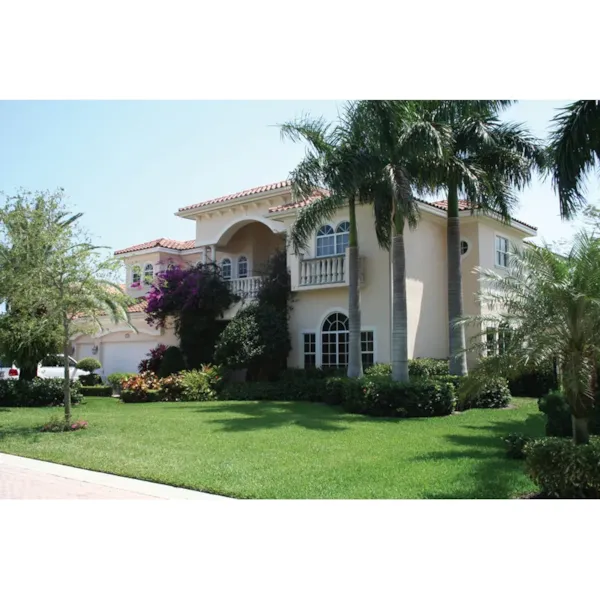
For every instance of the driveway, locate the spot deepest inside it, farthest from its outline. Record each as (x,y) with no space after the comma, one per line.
(28,479)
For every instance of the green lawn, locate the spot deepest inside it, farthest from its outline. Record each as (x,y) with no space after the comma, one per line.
(285,449)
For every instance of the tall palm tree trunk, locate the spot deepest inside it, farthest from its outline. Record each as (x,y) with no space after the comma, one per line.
(456,334)
(354,354)
(399,309)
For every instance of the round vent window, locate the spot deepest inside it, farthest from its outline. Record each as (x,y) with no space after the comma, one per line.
(464,247)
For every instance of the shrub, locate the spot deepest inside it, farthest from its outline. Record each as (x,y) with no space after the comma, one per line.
(131,397)
(90,379)
(563,470)
(89,364)
(417,367)
(492,393)
(534,384)
(311,390)
(200,385)
(58,424)
(172,362)
(154,360)
(428,367)
(558,415)
(515,445)
(139,388)
(300,375)
(38,392)
(255,339)
(342,391)
(117,379)
(453,380)
(96,390)
(382,397)
(171,388)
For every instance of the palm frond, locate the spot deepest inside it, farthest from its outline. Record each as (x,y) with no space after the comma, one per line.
(574,150)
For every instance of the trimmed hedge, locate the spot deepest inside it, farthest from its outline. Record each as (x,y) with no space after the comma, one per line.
(558,415)
(90,379)
(494,394)
(417,367)
(89,364)
(38,392)
(382,397)
(132,397)
(515,445)
(534,384)
(96,390)
(563,470)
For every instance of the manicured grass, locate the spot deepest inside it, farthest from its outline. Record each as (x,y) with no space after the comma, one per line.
(285,449)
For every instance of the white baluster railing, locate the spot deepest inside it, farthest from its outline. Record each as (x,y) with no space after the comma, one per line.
(246,287)
(322,271)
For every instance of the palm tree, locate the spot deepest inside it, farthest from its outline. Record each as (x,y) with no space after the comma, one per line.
(485,161)
(552,305)
(403,143)
(333,170)
(574,151)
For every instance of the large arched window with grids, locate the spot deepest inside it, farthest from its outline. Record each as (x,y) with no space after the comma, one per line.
(342,237)
(334,341)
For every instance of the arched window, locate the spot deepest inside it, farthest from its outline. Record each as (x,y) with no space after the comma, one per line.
(326,241)
(334,341)
(136,275)
(148,274)
(464,247)
(342,237)
(226,268)
(242,267)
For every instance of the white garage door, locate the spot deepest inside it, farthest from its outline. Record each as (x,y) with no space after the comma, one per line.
(124,357)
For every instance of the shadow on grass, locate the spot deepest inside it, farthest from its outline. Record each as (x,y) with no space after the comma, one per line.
(20,431)
(492,474)
(251,416)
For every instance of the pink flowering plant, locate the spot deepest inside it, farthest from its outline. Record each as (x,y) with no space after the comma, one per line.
(195,297)
(58,424)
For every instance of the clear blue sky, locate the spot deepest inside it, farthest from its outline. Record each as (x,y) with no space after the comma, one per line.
(130,165)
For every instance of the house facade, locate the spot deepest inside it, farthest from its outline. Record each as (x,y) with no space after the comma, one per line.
(241,231)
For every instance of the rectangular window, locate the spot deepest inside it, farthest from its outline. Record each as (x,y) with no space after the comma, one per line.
(310,350)
(503,339)
(501,251)
(367,348)
(490,341)
(325,245)
(342,241)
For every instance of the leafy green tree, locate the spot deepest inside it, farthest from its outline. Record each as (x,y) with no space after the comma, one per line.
(574,152)
(547,308)
(65,278)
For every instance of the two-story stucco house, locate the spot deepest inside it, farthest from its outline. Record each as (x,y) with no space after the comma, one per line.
(242,230)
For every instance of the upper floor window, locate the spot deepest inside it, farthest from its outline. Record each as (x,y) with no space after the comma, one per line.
(242,267)
(331,242)
(148,274)
(342,237)
(326,241)
(501,251)
(136,275)
(226,268)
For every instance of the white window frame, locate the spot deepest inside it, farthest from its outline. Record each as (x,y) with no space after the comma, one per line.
(302,345)
(237,262)
(497,251)
(133,273)
(325,235)
(145,273)
(340,234)
(230,263)
(368,330)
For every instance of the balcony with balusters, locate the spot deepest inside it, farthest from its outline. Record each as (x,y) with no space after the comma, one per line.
(245,287)
(323,272)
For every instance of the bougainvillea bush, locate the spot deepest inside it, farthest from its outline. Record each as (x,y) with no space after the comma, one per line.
(153,360)
(195,298)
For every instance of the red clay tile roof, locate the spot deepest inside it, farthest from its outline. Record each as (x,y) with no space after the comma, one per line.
(257,190)
(160,243)
(463,205)
(139,307)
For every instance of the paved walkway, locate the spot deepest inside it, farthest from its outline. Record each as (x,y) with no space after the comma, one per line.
(28,479)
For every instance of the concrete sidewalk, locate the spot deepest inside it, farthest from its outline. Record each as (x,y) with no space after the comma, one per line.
(29,479)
